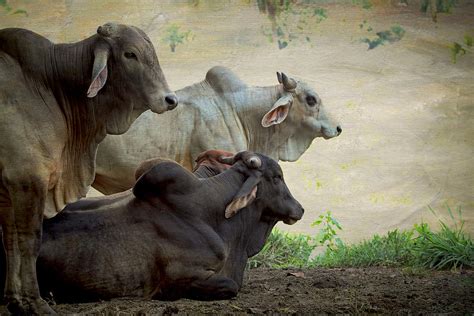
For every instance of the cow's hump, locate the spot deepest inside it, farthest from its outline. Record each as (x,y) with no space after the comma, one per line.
(222,79)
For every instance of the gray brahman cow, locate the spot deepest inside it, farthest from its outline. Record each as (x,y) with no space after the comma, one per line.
(174,235)
(221,112)
(57,102)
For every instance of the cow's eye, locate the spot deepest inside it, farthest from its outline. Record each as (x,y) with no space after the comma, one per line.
(311,100)
(130,55)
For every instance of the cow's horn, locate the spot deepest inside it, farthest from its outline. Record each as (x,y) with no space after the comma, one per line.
(254,162)
(227,160)
(288,83)
(279,77)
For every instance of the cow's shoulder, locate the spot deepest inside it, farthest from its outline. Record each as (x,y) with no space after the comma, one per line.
(223,80)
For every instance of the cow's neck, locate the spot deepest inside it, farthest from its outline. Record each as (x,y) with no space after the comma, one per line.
(221,189)
(245,235)
(251,105)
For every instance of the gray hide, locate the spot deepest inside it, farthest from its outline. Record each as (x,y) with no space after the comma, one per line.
(220,112)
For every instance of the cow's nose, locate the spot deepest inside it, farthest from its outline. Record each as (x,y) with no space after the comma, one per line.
(339,130)
(172,101)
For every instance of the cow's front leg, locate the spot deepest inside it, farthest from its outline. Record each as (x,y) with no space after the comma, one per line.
(214,288)
(22,226)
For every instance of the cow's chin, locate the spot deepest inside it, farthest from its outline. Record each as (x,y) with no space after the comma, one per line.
(290,221)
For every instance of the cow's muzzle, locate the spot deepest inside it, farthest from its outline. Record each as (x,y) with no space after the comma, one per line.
(295,216)
(171,100)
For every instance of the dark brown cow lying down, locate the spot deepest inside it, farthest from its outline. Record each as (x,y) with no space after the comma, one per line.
(175,235)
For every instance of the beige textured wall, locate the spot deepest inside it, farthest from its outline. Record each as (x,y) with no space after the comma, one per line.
(407,111)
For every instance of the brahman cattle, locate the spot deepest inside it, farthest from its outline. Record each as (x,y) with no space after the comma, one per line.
(57,102)
(174,235)
(221,112)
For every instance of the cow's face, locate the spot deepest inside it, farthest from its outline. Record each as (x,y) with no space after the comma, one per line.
(301,118)
(310,111)
(125,58)
(274,197)
(264,187)
(301,106)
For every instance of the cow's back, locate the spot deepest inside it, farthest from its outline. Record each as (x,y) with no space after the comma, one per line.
(204,120)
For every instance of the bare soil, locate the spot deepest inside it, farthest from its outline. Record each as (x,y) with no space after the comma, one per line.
(317,291)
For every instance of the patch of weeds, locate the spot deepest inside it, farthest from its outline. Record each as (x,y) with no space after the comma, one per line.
(458,49)
(416,250)
(9,10)
(365,25)
(394,249)
(284,250)
(450,248)
(393,35)
(365,4)
(440,6)
(174,36)
(290,20)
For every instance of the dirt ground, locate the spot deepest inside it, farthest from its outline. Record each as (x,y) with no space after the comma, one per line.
(317,291)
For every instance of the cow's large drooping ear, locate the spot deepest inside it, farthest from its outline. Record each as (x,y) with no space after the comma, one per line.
(99,71)
(165,177)
(244,197)
(278,112)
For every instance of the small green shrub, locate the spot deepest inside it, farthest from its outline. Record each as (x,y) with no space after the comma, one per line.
(450,248)
(9,10)
(174,36)
(393,35)
(458,49)
(284,250)
(290,20)
(328,233)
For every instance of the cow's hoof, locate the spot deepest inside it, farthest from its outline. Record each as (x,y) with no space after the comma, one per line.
(29,307)
(14,306)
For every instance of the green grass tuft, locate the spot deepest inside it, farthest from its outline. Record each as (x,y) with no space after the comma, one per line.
(284,250)
(418,248)
(393,249)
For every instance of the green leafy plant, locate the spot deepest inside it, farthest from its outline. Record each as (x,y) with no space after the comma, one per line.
(458,49)
(393,35)
(290,19)
(9,10)
(174,36)
(328,231)
(437,6)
